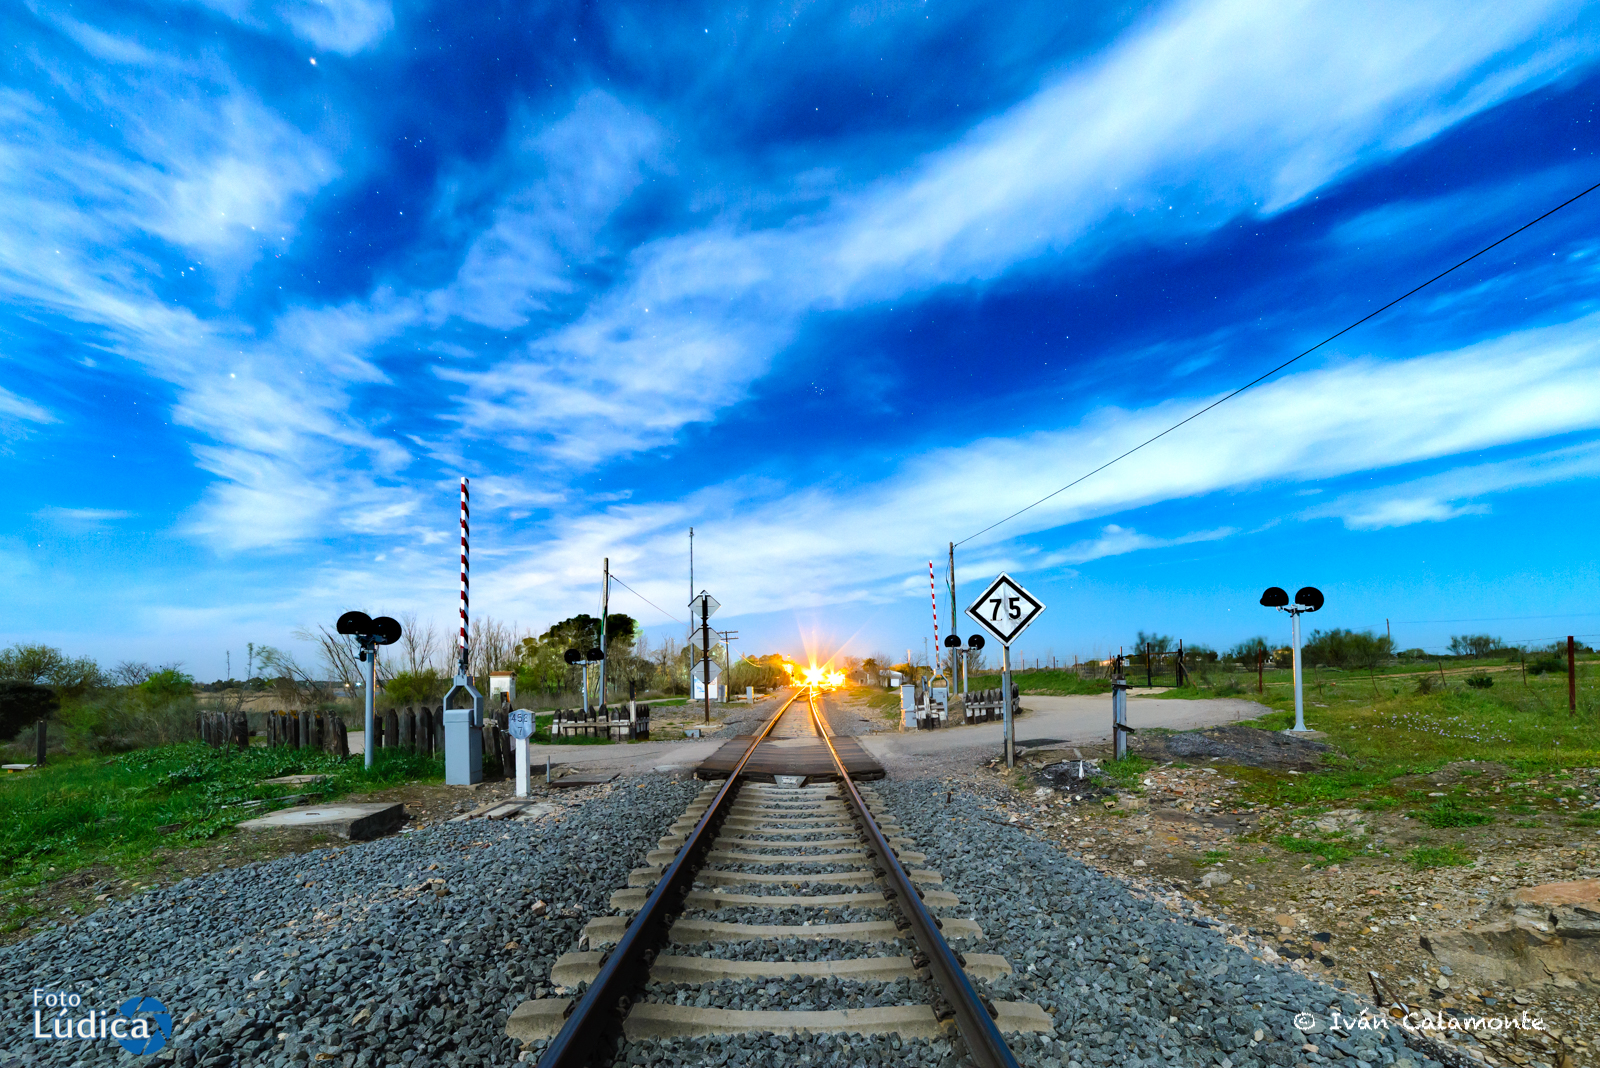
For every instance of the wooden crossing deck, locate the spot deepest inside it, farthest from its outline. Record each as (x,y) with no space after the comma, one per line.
(791,756)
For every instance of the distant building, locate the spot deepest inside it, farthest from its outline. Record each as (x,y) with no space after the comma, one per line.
(502,682)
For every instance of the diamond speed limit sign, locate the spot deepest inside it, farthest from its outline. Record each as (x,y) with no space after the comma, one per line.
(1005,609)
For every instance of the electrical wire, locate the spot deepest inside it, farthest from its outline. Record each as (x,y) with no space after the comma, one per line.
(643,598)
(1263,377)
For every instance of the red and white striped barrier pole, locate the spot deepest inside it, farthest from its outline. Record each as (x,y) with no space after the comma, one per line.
(933,596)
(462,641)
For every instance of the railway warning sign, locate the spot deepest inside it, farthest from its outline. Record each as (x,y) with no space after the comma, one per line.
(1005,609)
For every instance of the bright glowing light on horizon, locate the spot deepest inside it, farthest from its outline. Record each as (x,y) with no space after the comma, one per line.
(817,676)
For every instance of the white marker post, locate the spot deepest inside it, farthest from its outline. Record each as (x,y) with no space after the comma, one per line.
(1005,610)
(520,728)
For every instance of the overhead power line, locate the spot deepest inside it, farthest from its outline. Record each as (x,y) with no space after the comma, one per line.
(643,598)
(1268,374)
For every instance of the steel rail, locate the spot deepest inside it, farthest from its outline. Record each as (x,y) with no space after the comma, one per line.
(598,1015)
(984,1043)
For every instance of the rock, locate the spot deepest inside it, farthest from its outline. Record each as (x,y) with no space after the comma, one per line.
(1247,746)
(1551,936)
(1215,878)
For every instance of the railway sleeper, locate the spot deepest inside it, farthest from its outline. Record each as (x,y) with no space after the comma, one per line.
(534,1020)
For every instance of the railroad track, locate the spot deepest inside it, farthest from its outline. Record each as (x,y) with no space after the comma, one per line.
(775,865)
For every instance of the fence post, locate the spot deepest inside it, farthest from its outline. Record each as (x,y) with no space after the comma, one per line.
(1261,673)
(341,737)
(1572,675)
(42,730)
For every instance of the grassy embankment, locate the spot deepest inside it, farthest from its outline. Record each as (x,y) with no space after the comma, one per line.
(1405,721)
(122,812)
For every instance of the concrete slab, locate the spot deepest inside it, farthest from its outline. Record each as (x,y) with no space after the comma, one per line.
(295,780)
(357,822)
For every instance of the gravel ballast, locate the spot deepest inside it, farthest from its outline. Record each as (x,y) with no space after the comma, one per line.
(409,949)
(1128,981)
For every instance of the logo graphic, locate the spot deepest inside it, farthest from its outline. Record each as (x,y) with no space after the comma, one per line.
(152,1039)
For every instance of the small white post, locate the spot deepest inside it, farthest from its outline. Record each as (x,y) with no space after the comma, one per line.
(522,767)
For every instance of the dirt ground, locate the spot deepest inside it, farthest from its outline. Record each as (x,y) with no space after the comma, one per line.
(1339,921)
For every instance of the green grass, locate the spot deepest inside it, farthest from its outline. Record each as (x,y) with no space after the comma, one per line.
(76,812)
(1325,850)
(1212,856)
(1449,813)
(1439,857)
(1586,819)
(1126,774)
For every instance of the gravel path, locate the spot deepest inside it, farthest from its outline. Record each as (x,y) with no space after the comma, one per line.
(1128,981)
(408,950)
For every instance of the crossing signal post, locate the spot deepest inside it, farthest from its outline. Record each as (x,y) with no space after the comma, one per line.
(370,633)
(705,606)
(1306,599)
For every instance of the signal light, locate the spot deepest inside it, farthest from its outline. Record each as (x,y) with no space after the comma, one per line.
(1275,597)
(952,641)
(975,641)
(572,656)
(1309,598)
(354,623)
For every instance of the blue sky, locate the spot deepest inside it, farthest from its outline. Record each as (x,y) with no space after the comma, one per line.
(835,284)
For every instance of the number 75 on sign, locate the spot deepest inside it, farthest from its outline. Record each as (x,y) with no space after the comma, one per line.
(1005,609)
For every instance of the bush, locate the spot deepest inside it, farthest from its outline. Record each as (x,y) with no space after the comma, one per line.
(1547,664)
(1480,682)
(128,718)
(1427,684)
(22,704)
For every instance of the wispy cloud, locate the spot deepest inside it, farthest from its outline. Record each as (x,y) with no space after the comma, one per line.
(14,408)
(774,546)
(1106,153)
(1458,492)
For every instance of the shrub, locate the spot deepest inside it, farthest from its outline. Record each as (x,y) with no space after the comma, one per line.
(1427,684)
(128,718)
(1480,682)
(1547,664)
(22,704)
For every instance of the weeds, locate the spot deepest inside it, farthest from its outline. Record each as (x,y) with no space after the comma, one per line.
(1326,850)
(1449,813)
(1439,857)
(1126,774)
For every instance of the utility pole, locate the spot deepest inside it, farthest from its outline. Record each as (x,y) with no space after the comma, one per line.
(605,616)
(955,625)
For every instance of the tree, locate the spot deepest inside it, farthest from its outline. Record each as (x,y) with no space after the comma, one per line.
(1347,648)
(1247,651)
(1158,643)
(1474,645)
(48,666)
